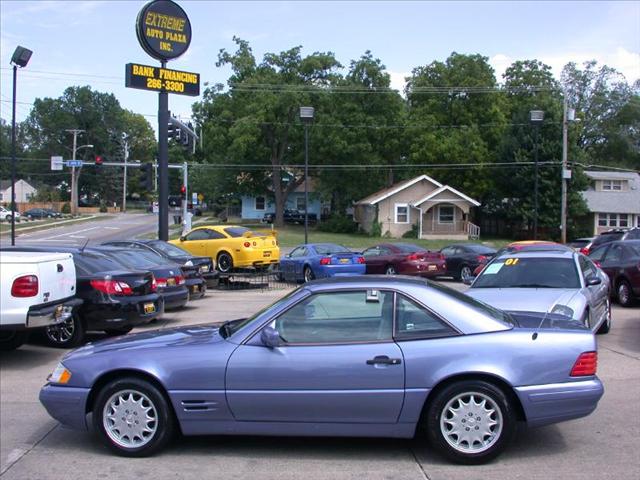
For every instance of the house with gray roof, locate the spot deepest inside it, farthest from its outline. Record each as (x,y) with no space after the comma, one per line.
(24,191)
(613,199)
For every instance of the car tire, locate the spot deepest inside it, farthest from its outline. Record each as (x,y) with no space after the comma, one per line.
(68,334)
(464,273)
(114,332)
(390,270)
(8,218)
(483,401)
(623,293)
(224,262)
(132,397)
(606,325)
(307,274)
(12,339)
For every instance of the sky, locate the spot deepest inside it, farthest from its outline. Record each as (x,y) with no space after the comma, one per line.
(78,42)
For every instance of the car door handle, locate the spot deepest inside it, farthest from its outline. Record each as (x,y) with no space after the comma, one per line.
(384,360)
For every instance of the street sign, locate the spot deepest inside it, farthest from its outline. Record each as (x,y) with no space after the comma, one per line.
(73,163)
(194,198)
(56,163)
(163,30)
(158,79)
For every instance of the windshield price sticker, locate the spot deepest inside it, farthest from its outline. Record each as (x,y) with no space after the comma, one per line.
(493,268)
(146,77)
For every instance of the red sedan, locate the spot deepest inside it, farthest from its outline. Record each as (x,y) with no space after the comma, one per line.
(404,259)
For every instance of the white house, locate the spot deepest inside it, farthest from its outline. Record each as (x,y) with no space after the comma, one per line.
(24,191)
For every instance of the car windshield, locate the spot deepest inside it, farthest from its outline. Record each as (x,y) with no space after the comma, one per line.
(328,249)
(231,327)
(635,248)
(607,237)
(134,259)
(482,307)
(409,248)
(94,263)
(529,272)
(480,249)
(169,249)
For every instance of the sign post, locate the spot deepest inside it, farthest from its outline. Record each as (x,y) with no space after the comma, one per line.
(164,32)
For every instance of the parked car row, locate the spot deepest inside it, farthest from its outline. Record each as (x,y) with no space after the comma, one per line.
(122,286)
(31,214)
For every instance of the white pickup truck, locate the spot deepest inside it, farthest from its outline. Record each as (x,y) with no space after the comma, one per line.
(36,290)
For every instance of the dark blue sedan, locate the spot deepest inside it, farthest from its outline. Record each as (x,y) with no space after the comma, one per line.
(320,260)
(369,356)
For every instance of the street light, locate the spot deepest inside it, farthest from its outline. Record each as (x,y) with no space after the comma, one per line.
(20,59)
(306,115)
(536,117)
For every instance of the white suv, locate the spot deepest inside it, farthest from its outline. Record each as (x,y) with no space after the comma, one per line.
(5,215)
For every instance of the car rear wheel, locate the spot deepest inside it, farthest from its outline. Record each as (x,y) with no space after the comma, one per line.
(133,417)
(390,270)
(465,273)
(623,293)
(224,262)
(12,339)
(308,274)
(470,422)
(68,334)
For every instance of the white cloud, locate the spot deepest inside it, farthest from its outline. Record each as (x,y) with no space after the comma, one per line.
(398,80)
(626,62)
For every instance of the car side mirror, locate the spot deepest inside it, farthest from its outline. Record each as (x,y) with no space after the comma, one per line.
(288,255)
(591,281)
(270,337)
(468,280)
(182,238)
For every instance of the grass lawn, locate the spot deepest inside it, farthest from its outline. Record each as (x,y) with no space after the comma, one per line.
(34,226)
(292,235)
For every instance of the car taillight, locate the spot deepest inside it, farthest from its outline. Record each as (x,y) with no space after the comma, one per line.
(586,365)
(179,280)
(112,287)
(584,250)
(154,284)
(481,258)
(25,286)
(246,244)
(360,260)
(325,261)
(413,256)
(161,283)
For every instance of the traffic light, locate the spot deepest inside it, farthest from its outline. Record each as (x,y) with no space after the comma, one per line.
(174,132)
(183,192)
(146,177)
(98,160)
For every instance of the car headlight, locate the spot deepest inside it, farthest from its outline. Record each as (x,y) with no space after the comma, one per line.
(60,375)
(204,268)
(563,310)
(188,263)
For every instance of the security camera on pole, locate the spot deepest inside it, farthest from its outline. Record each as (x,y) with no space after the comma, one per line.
(164,32)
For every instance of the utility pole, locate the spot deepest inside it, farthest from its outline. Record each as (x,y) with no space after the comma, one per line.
(74,174)
(163,163)
(125,148)
(563,200)
(185,205)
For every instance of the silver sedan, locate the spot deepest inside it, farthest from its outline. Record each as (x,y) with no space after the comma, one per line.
(565,283)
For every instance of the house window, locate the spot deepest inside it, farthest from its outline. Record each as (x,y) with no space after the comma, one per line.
(445,214)
(615,185)
(623,221)
(260,203)
(602,219)
(300,205)
(402,213)
(613,220)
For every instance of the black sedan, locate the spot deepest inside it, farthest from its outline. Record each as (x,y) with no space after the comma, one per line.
(169,276)
(175,254)
(620,260)
(463,258)
(115,299)
(39,213)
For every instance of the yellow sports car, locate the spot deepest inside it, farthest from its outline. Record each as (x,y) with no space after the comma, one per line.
(232,246)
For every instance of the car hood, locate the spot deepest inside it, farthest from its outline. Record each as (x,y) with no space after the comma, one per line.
(154,340)
(523,299)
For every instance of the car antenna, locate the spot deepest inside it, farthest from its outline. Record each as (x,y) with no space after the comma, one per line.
(84,246)
(550,310)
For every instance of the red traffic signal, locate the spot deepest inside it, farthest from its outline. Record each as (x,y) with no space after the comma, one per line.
(99,160)
(183,190)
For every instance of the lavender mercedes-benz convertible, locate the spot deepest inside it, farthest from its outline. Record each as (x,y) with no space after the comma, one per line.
(360,356)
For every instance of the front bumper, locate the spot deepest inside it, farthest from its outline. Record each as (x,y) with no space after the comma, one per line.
(557,402)
(52,314)
(66,404)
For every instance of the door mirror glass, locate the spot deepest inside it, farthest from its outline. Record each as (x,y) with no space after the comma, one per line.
(270,337)
(591,281)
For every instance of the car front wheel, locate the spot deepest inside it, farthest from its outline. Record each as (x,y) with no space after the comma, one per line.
(624,294)
(470,422)
(132,417)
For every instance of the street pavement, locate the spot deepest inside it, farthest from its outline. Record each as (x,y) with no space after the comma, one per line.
(601,446)
(113,227)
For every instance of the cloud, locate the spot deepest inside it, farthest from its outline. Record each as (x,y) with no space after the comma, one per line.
(398,80)
(626,62)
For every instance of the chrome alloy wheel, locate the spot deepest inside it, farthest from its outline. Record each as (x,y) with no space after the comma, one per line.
(471,422)
(465,273)
(130,419)
(62,332)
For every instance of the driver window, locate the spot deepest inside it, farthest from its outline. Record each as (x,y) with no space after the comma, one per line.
(371,252)
(197,235)
(299,252)
(344,317)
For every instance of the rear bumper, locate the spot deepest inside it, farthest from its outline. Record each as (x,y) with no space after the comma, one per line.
(52,314)
(423,269)
(175,298)
(66,404)
(326,271)
(124,313)
(197,287)
(557,402)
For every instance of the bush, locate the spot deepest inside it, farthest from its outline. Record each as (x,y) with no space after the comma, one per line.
(413,233)
(103,208)
(66,208)
(376,229)
(338,224)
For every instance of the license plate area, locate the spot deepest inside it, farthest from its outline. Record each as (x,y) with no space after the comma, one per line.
(266,254)
(149,307)
(171,282)
(432,267)
(344,260)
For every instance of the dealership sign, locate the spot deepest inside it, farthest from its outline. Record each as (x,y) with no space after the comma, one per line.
(158,79)
(163,30)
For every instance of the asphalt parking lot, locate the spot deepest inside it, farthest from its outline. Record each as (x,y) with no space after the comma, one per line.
(603,445)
